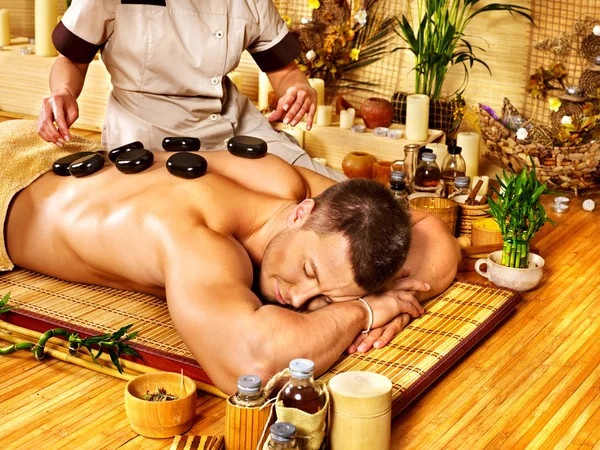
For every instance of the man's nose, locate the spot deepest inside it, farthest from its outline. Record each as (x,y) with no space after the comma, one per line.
(300,295)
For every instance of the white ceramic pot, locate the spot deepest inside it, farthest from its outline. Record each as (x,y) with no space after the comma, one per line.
(510,277)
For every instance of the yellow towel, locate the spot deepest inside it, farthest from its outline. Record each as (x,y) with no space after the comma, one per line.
(24,157)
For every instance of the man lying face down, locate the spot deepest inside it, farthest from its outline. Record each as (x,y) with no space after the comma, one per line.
(199,242)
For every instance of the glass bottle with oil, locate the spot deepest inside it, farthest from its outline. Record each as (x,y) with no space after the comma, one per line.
(301,392)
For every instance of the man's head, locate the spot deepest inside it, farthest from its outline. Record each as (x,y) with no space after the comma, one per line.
(347,241)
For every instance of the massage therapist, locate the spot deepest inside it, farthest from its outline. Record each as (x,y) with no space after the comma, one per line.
(168,61)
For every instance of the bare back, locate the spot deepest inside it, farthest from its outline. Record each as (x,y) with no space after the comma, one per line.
(114,229)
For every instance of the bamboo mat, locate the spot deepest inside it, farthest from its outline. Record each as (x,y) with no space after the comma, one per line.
(452,324)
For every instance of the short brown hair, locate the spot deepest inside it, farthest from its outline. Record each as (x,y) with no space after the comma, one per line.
(377,227)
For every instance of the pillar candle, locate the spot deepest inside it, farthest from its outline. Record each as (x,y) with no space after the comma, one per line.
(46,12)
(417,117)
(324,114)
(264,87)
(469,142)
(298,133)
(4,27)
(441,150)
(318,85)
(236,78)
(347,118)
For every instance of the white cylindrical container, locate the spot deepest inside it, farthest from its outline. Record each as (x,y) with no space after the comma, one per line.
(264,87)
(318,85)
(4,27)
(324,114)
(417,117)
(441,151)
(361,413)
(46,12)
(347,118)
(469,142)
(298,133)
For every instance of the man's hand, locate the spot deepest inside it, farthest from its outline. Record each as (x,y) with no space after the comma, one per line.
(60,108)
(299,99)
(379,337)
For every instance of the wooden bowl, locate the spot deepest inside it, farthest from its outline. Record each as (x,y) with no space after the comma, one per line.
(485,232)
(160,419)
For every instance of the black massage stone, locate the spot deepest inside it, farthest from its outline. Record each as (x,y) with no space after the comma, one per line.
(116,152)
(87,165)
(247,147)
(187,165)
(61,166)
(181,144)
(135,161)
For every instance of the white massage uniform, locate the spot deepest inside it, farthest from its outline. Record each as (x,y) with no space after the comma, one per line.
(168,61)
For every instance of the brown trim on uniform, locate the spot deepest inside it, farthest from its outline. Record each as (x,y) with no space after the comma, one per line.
(278,56)
(72,46)
(144,2)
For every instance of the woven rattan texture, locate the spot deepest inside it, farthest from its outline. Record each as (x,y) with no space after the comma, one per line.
(452,323)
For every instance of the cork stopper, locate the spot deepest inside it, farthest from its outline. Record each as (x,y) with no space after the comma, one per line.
(361,393)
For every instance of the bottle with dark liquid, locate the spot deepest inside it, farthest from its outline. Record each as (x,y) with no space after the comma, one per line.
(428,173)
(398,187)
(452,167)
(301,392)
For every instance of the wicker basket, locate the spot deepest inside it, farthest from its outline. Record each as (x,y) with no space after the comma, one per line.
(467,214)
(562,167)
(442,207)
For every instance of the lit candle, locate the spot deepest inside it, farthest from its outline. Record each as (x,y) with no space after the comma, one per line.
(484,185)
(441,150)
(347,118)
(264,87)
(324,113)
(4,27)
(417,117)
(236,78)
(318,85)
(469,142)
(298,134)
(46,12)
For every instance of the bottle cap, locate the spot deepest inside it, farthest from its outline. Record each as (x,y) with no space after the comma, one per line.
(454,150)
(397,175)
(249,384)
(283,432)
(428,157)
(461,181)
(302,368)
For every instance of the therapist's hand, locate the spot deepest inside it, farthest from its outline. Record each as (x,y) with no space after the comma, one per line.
(61,108)
(299,99)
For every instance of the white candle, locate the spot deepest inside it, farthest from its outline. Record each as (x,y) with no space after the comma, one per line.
(298,134)
(318,85)
(46,12)
(4,27)
(347,118)
(417,117)
(320,161)
(324,114)
(469,142)
(484,185)
(236,78)
(441,150)
(264,87)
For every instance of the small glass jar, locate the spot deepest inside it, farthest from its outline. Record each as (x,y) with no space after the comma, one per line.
(398,187)
(283,437)
(428,175)
(452,167)
(460,187)
(250,393)
(301,392)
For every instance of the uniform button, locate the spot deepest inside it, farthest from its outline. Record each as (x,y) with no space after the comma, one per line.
(214,117)
(215,81)
(219,34)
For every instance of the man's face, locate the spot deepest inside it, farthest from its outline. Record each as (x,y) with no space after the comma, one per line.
(298,266)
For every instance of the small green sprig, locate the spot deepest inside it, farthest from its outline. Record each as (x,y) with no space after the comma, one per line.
(3,304)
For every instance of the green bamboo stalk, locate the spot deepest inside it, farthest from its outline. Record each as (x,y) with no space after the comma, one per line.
(15,347)
(38,351)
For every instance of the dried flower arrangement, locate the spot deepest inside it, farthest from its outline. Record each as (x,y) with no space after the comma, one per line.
(340,37)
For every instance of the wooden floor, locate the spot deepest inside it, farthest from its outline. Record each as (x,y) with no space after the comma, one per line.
(534,383)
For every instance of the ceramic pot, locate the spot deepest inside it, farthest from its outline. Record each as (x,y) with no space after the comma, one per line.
(377,112)
(358,165)
(518,279)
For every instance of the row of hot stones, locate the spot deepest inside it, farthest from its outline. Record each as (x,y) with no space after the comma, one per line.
(134,158)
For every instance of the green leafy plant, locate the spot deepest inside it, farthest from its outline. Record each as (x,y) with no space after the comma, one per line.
(519,212)
(115,344)
(436,37)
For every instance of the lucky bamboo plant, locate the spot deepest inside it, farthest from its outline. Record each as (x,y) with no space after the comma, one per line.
(519,212)
(436,36)
(115,344)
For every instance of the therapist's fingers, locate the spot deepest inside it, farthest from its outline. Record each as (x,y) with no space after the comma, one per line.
(301,112)
(59,117)
(310,116)
(295,106)
(46,127)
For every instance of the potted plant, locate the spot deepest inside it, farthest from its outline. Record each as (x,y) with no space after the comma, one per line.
(436,37)
(519,212)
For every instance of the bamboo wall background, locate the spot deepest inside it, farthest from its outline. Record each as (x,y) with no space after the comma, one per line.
(22,19)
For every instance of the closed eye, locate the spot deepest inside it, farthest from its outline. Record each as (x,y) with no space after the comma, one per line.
(307,273)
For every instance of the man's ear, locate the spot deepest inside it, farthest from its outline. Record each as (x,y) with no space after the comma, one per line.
(300,213)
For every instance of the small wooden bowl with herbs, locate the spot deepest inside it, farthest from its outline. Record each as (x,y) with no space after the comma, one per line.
(160,404)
